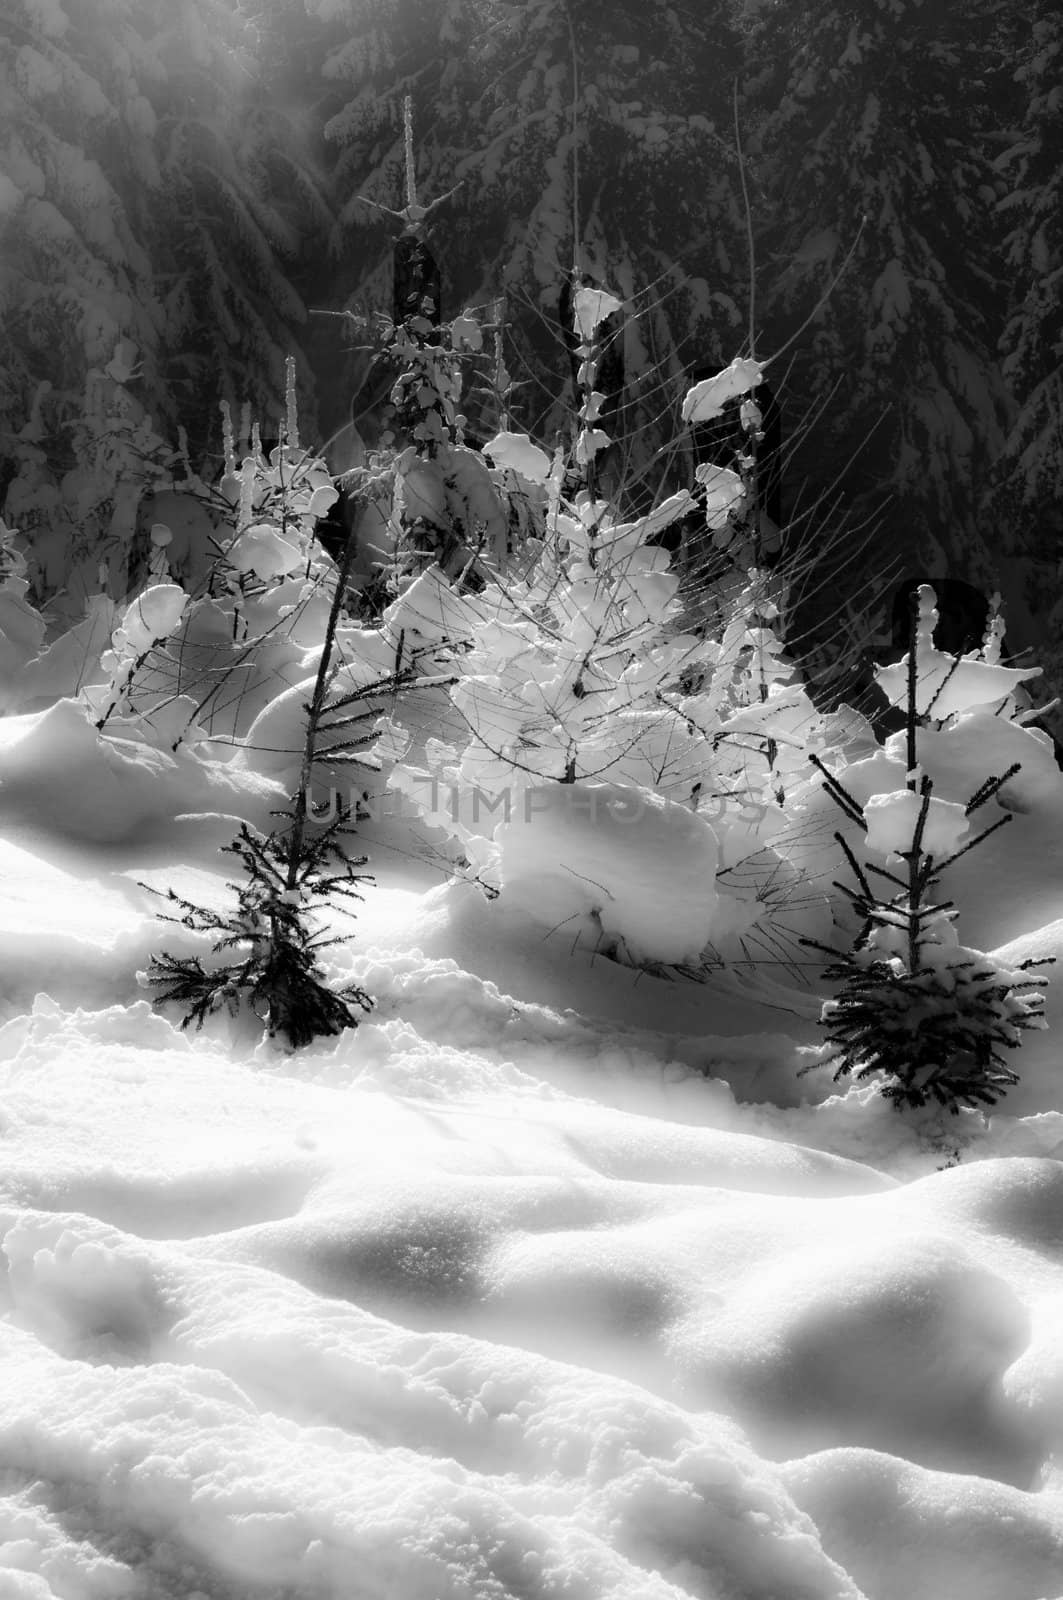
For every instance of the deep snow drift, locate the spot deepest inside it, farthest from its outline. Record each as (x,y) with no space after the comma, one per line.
(552,1280)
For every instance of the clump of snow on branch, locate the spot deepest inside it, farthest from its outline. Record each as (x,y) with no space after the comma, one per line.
(724,491)
(516,452)
(152,616)
(891,821)
(590,308)
(707,399)
(264,551)
(947,686)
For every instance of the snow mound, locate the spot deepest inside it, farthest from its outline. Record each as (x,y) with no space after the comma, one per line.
(901,1348)
(644,866)
(419,1485)
(57,771)
(906,1533)
(72,660)
(276,744)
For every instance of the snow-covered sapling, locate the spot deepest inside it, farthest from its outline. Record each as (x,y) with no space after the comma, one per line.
(593,310)
(289,874)
(915,1006)
(274,974)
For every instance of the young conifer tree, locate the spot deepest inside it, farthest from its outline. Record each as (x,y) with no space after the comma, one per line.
(579,136)
(915,1009)
(273,972)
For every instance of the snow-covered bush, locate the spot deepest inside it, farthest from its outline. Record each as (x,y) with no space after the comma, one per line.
(83,463)
(442,503)
(208,634)
(578,670)
(208,663)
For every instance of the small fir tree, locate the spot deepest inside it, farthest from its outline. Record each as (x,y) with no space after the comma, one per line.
(915,1006)
(275,975)
(290,873)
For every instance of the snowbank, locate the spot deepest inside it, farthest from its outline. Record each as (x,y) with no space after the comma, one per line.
(57,772)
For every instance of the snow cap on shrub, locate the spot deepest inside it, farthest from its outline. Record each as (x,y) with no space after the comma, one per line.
(708,398)
(645,866)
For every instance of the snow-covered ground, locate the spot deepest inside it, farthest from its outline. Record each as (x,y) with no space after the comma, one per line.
(554,1281)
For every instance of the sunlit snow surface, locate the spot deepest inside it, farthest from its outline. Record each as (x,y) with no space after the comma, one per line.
(552,1282)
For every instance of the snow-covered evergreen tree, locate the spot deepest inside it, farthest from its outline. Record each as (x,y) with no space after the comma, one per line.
(154,206)
(578,135)
(243,214)
(1033,210)
(77,169)
(880,230)
(1027,505)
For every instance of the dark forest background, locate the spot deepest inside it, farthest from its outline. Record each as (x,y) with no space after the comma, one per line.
(192,190)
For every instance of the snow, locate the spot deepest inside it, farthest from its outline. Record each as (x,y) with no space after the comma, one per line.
(517,452)
(707,399)
(892,820)
(723,490)
(262,550)
(644,866)
(552,1279)
(947,687)
(152,616)
(10,195)
(590,308)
